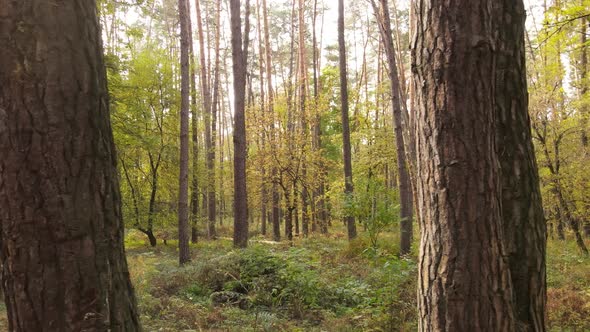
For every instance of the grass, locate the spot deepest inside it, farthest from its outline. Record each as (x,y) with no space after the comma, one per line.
(315,284)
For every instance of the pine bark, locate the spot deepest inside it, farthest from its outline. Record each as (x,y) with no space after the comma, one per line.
(62,252)
(464,279)
(183,224)
(347,153)
(522,210)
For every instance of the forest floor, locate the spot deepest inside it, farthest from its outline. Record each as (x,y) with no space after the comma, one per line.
(315,284)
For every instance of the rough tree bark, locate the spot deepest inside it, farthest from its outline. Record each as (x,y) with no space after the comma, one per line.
(351,227)
(525,229)
(183,225)
(464,279)
(63,261)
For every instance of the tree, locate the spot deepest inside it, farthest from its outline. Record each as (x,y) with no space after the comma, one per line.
(240,58)
(464,280)
(194,198)
(351,227)
(404,184)
(64,266)
(276,227)
(183,224)
(522,210)
(210,104)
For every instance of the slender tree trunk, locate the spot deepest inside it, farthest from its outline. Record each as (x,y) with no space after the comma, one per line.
(62,251)
(195,140)
(351,227)
(239,57)
(207,114)
(211,198)
(404,184)
(262,143)
(464,279)
(183,225)
(584,82)
(303,116)
(318,193)
(154,166)
(276,221)
(525,229)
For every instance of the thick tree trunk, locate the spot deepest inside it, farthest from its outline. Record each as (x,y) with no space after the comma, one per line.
(239,57)
(63,260)
(183,225)
(525,229)
(404,184)
(464,279)
(351,227)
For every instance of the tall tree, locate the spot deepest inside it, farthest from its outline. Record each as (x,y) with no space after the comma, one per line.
(183,225)
(59,193)
(522,210)
(464,279)
(275,215)
(195,138)
(212,139)
(209,118)
(303,114)
(240,58)
(404,184)
(347,153)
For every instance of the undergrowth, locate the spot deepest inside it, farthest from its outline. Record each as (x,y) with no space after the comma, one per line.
(317,284)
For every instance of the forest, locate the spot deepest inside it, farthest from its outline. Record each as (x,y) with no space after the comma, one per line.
(295,165)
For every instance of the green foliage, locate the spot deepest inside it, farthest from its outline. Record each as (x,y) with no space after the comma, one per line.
(373,205)
(284,288)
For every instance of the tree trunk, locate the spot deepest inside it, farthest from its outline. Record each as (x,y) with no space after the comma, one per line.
(404,184)
(276,221)
(62,252)
(195,141)
(303,116)
(208,116)
(351,227)
(212,200)
(584,82)
(183,225)
(525,229)
(262,142)
(318,193)
(464,279)
(239,57)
